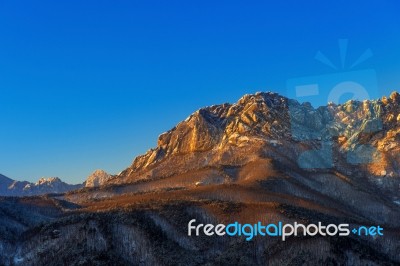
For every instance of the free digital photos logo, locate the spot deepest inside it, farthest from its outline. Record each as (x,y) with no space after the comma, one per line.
(281,230)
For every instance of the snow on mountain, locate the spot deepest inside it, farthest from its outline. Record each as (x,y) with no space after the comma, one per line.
(9,187)
(97,178)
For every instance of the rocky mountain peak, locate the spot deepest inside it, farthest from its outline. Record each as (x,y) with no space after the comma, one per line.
(48,181)
(263,114)
(97,178)
(267,119)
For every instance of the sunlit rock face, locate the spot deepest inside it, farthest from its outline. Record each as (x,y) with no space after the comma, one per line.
(357,135)
(97,178)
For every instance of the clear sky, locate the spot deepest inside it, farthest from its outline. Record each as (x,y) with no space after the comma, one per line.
(91,84)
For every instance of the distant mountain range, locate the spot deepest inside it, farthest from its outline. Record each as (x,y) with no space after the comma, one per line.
(10,187)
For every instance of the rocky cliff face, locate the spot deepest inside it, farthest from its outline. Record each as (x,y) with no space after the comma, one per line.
(215,127)
(355,135)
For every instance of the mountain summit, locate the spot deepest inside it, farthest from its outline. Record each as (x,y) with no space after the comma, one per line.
(356,138)
(97,178)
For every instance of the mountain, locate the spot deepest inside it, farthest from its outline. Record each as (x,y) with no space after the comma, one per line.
(97,178)
(357,138)
(265,158)
(11,187)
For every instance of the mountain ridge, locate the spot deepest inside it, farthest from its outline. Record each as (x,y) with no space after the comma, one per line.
(42,186)
(272,120)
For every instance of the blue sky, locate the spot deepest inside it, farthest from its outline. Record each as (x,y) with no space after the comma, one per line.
(91,84)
